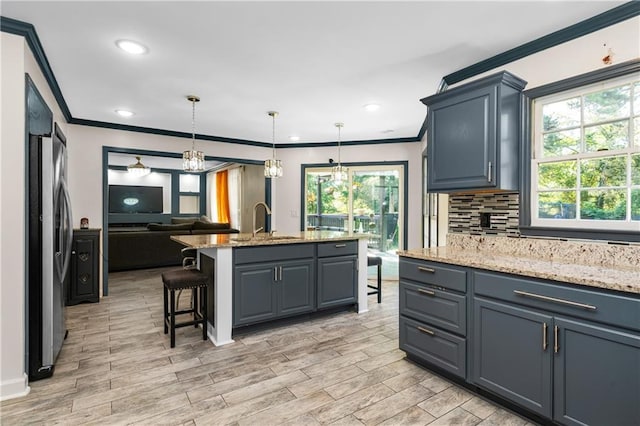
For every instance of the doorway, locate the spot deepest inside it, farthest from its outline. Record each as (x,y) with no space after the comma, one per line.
(370,201)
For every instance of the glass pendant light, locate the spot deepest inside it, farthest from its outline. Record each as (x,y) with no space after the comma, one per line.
(273,166)
(339,173)
(193,161)
(138,169)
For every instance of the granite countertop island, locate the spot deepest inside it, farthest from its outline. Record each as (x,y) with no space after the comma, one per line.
(219,252)
(611,277)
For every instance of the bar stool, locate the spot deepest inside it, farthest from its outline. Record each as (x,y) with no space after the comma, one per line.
(376,261)
(183,279)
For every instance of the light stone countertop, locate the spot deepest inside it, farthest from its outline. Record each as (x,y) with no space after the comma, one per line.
(620,278)
(203,241)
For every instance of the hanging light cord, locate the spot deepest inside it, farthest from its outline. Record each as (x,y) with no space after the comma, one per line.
(193,124)
(339,138)
(273,135)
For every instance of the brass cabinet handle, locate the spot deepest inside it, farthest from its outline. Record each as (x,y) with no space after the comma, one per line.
(340,245)
(428,292)
(556,343)
(425,269)
(554,300)
(544,336)
(489,177)
(427,331)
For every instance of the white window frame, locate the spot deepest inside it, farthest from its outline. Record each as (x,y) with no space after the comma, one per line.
(537,159)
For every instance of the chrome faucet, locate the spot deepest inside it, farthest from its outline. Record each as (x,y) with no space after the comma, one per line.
(255,208)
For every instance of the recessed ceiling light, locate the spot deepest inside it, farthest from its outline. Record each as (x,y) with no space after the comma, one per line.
(294,138)
(124,113)
(132,47)
(372,107)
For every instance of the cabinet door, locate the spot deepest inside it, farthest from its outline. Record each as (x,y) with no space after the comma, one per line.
(254,299)
(462,141)
(295,287)
(337,281)
(511,356)
(596,375)
(83,277)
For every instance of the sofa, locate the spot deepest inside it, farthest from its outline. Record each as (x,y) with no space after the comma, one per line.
(151,246)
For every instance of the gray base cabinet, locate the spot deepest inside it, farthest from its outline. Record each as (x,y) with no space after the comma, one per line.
(337,274)
(84,268)
(596,375)
(569,354)
(511,354)
(433,314)
(272,282)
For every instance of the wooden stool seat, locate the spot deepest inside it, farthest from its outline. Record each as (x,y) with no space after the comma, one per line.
(376,261)
(184,279)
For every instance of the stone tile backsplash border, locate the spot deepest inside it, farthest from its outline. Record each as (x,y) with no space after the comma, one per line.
(582,252)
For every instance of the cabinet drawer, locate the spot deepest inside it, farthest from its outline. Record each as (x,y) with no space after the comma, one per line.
(272,253)
(433,345)
(434,274)
(618,310)
(437,307)
(337,248)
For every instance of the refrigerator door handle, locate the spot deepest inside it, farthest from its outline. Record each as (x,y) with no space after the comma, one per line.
(69,227)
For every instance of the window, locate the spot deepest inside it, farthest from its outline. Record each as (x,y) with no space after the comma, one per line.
(585,163)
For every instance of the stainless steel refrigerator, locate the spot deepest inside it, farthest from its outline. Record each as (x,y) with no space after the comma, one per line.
(50,240)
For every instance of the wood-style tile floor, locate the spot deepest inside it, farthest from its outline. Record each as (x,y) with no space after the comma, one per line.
(116,367)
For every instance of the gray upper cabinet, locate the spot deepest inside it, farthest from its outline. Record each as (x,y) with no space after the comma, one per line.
(474,135)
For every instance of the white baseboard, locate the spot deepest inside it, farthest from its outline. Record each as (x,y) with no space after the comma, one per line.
(16,388)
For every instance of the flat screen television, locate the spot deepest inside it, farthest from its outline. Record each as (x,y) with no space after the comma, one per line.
(135,199)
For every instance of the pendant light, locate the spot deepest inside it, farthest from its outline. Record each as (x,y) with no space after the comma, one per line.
(273,167)
(193,161)
(339,173)
(138,169)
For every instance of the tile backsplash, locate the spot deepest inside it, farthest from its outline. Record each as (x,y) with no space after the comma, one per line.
(465,211)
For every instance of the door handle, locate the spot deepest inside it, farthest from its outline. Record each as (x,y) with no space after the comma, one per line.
(544,336)
(490,172)
(340,245)
(426,331)
(275,273)
(554,300)
(556,342)
(427,292)
(425,269)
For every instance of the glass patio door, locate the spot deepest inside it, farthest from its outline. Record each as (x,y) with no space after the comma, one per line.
(369,202)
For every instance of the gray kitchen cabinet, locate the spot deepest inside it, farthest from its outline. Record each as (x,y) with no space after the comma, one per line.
(596,375)
(473,135)
(433,314)
(511,354)
(265,288)
(337,281)
(537,339)
(337,274)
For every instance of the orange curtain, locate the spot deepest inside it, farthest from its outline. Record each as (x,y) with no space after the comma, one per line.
(222,197)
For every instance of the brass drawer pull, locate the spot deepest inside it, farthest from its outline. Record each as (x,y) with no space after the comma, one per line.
(425,269)
(340,245)
(428,292)
(555,300)
(556,343)
(544,336)
(427,331)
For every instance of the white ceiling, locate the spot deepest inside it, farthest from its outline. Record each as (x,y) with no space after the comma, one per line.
(315,62)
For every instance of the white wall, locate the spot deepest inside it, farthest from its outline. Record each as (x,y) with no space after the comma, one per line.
(16,59)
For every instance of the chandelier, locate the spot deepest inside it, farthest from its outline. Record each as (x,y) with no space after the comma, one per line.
(339,173)
(138,169)
(192,160)
(273,166)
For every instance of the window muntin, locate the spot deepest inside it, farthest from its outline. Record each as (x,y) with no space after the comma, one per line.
(585,170)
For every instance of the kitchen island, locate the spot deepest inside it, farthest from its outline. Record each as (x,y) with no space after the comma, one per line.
(265,277)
